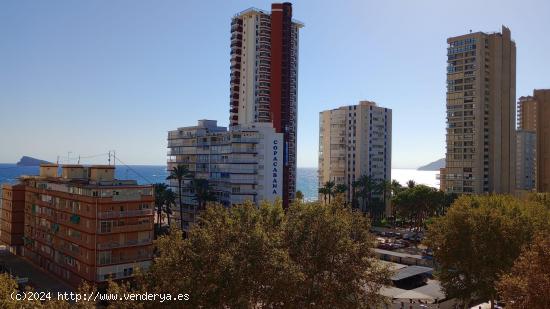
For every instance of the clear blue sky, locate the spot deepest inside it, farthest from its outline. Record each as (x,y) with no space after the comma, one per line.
(89,76)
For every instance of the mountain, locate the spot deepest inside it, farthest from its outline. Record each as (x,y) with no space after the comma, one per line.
(30,161)
(434,166)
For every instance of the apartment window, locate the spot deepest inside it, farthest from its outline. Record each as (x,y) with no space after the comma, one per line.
(105,226)
(105,257)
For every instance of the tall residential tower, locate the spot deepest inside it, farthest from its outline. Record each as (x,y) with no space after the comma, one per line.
(542,96)
(264,78)
(526,146)
(354,141)
(481,92)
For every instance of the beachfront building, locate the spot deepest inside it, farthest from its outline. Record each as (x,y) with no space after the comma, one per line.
(481,131)
(264,78)
(542,96)
(84,225)
(526,160)
(242,163)
(355,140)
(533,142)
(526,143)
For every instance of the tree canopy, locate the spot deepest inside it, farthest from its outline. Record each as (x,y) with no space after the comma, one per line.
(527,285)
(479,238)
(315,254)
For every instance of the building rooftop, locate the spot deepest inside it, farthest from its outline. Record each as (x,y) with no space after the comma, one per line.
(410,271)
(252,10)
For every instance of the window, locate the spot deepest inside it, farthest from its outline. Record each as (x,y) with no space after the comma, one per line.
(105,226)
(105,257)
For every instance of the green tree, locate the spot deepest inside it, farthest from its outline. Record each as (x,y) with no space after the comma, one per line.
(331,245)
(416,204)
(527,285)
(340,189)
(328,189)
(179,173)
(365,188)
(315,255)
(478,239)
(324,192)
(203,192)
(169,201)
(299,196)
(160,194)
(396,187)
(411,184)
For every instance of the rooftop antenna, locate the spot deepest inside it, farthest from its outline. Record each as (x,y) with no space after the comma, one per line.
(78,159)
(109,157)
(57,160)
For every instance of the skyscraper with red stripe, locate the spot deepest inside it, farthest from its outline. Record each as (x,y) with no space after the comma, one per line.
(264,79)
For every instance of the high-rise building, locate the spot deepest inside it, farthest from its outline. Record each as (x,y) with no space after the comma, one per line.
(481,114)
(264,78)
(526,143)
(240,164)
(355,140)
(526,160)
(527,114)
(542,97)
(84,225)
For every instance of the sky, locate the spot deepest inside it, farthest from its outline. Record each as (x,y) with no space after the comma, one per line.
(87,77)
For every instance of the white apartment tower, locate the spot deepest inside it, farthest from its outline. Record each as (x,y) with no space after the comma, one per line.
(264,78)
(240,164)
(355,140)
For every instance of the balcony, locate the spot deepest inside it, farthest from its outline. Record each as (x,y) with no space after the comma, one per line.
(128,243)
(236,28)
(123,259)
(122,214)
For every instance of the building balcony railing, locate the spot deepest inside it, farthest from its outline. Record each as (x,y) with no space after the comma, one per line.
(128,243)
(123,259)
(125,228)
(122,214)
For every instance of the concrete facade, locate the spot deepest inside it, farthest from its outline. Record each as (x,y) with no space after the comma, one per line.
(481,140)
(355,140)
(526,160)
(264,78)
(542,96)
(242,163)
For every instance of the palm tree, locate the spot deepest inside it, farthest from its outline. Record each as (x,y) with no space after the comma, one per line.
(411,184)
(324,192)
(396,187)
(179,173)
(340,188)
(169,200)
(160,194)
(299,195)
(367,187)
(203,192)
(329,185)
(354,186)
(385,187)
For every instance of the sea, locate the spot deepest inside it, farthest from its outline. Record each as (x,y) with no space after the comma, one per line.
(147,174)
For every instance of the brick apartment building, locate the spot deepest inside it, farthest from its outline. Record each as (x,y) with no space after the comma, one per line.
(81,225)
